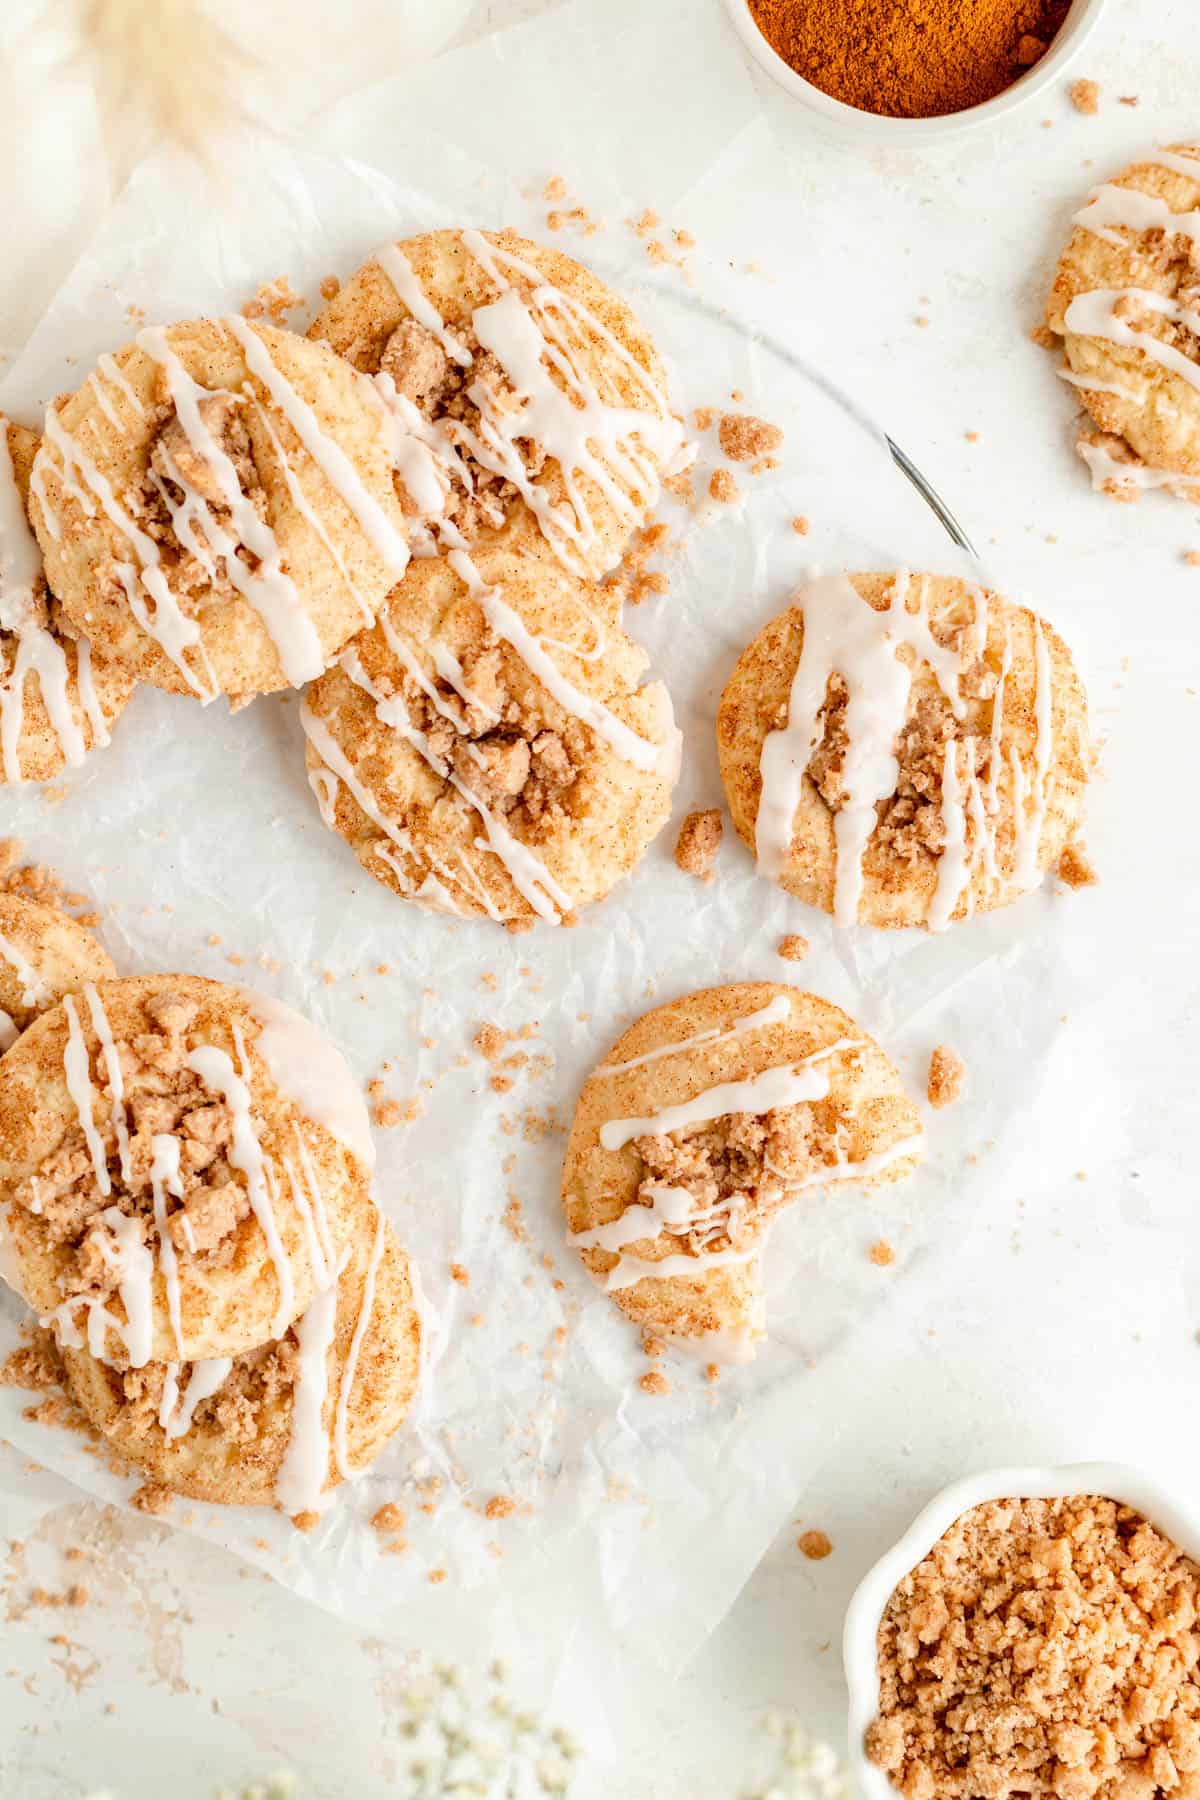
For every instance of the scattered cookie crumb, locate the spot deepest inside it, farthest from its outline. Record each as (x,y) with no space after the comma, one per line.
(723,488)
(389,1518)
(800,525)
(1130,100)
(555,189)
(712,1372)
(743,438)
(793,947)
(703,418)
(1085,96)
(654,1382)
(815,1545)
(330,287)
(436,1576)
(1192,558)
(500,1506)
(947,1072)
(882,1254)
(274,299)
(699,842)
(459,1274)
(1075,869)
(152,1498)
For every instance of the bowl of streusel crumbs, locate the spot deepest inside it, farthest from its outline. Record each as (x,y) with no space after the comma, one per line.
(1036,1632)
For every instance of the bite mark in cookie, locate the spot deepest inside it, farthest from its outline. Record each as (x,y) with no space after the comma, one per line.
(682,1154)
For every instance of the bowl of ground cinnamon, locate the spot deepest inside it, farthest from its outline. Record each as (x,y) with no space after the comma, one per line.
(1036,1632)
(913,71)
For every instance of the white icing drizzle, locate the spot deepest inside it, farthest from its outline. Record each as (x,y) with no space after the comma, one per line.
(339,768)
(305,1467)
(112,1068)
(621,449)
(34,989)
(402,276)
(8,1031)
(527,872)
(787,1084)
(269,589)
(1180,162)
(324,784)
(133,1265)
(1131,209)
(309,513)
(308,1070)
(38,652)
(1106,468)
(165,1178)
(508,624)
(774,1013)
(78,1073)
(846,636)
(108,367)
(451,671)
(215,1069)
(425,458)
(316,1199)
(341,1453)
(328,455)
(171,629)
(1094,315)
(175,1414)
(670,1206)
(1093,384)
(631,1269)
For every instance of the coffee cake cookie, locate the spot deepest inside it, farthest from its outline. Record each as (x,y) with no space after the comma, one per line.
(216,509)
(57,700)
(904,750)
(179,1162)
(286,1423)
(705,1120)
(44,954)
(524,394)
(1126,303)
(485,749)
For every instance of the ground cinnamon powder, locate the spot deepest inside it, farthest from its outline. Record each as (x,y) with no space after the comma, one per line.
(910,59)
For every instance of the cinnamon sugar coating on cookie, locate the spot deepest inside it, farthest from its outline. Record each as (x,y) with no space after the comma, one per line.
(1126,307)
(1042,1647)
(486,749)
(474,340)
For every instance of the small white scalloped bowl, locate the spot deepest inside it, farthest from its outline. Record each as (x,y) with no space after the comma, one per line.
(1113,1480)
(879,129)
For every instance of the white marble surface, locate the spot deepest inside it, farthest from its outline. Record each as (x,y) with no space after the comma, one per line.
(1065,1327)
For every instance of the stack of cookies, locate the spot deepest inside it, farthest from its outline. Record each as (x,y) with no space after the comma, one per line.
(185,1172)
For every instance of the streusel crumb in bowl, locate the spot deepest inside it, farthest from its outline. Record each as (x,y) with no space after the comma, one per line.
(1033,1633)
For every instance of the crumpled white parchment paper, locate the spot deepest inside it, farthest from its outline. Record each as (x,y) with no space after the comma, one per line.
(638,1517)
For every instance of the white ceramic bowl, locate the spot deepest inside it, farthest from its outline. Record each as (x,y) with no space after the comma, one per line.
(872,128)
(1177,1521)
